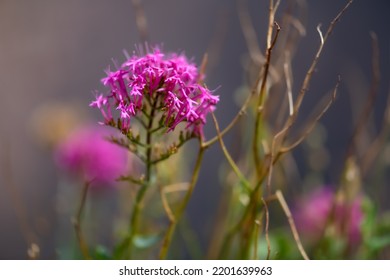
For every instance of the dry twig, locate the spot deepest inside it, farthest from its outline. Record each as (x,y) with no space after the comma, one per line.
(311,126)
(290,219)
(170,189)
(267,228)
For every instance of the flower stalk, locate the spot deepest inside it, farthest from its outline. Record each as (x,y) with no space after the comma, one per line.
(173,222)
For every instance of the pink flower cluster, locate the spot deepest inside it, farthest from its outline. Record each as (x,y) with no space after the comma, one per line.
(321,209)
(171,80)
(86,154)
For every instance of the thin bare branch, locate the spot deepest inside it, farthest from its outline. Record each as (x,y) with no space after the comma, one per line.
(287,74)
(290,219)
(267,228)
(309,73)
(261,100)
(233,165)
(320,33)
(270,170)
(311,126)
(169,189)
(237,117)
(137,181)
(282,134)
(255,248)
(271,19)
(248,99)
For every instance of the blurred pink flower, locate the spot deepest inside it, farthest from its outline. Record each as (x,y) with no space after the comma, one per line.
(170,80)
(313,211)
(85,153)
(348,218)
(321,209)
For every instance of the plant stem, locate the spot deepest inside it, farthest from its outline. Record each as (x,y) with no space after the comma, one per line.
(77,223)
(148,172)
(261,100)
(172,225)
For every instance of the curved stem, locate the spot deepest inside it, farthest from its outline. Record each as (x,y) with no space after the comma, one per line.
(173,222)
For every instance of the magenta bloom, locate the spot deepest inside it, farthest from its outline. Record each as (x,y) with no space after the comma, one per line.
(313,212)
(321,209)
(170,83)
(86,154)
(349,218)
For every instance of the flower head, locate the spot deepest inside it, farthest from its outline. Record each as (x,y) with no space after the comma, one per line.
(321,209)
(168,83)
(87,154)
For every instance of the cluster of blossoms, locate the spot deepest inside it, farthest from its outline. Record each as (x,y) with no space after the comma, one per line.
(322,209)
(86,154)
(169,83)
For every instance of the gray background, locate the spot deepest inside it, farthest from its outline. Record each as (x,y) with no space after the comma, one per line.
(56,51)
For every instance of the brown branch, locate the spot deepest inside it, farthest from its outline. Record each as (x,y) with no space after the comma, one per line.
(308,130)
(309,73)
(242,111)
(261,100)
(169,189)
(271,19)
(290,219)
(291,120)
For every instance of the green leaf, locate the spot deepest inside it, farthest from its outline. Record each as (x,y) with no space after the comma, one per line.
(121,247)
(378,242)
(102,253)
(370,218)
(145,241)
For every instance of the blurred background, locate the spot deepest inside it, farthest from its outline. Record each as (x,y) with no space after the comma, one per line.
(53,55)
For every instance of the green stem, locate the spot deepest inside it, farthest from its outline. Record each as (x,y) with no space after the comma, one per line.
(261,101)
(134,220)
(242,224)
(172,226)
(77,223)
